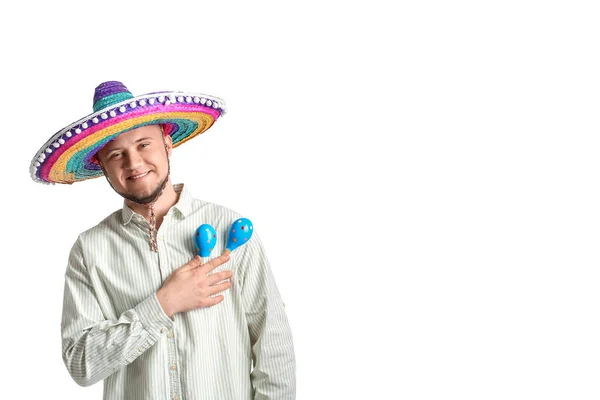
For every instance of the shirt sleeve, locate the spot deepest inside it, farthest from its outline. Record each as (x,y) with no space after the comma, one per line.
(274,372)
(92,346)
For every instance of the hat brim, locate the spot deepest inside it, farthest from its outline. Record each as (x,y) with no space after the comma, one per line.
(68,156)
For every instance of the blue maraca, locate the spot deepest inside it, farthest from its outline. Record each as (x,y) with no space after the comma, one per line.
(239,233)
(205,239)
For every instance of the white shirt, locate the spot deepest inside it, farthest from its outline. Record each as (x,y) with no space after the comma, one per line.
(114,329)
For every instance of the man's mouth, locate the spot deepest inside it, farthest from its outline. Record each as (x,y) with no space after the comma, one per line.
(140,176)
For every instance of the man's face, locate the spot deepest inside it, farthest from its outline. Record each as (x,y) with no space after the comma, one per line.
(136,163)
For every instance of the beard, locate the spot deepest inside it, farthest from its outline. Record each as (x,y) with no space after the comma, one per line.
(144,199)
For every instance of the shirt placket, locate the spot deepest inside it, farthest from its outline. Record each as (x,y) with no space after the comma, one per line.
(174,383)
(173,357)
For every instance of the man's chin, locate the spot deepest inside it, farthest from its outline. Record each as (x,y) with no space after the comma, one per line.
(139,199)
(146,196)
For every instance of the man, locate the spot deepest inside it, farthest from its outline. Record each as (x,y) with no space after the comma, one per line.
(140,310)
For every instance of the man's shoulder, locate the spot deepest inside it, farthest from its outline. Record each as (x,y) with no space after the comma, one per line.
(204,208)
(198,204)
(107,224)
(217,210)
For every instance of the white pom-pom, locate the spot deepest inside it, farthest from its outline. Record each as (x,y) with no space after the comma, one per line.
(122,108)
(43,156)
(180,99)
(133,104)
(68,134)
(40,159)
(112,113)
(172,98)
(84,125)
(48,150)
(61,141)
(142,102)
(151,101)
(208,103)
(56,145)
(78,131)
(95,120)
(37,164)
(167,102)
(202,100)
(196,99)
(161,99)
(104,115)
(188,99)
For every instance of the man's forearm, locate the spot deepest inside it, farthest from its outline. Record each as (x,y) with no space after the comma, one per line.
(94,353)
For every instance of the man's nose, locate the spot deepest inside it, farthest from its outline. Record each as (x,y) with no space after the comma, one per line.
(133,160)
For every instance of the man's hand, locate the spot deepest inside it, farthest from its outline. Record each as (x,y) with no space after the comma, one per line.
(190,286)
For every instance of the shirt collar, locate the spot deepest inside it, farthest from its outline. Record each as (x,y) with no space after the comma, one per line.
(183,205)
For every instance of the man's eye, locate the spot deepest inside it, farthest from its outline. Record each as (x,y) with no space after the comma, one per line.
(144,145)
(114,156)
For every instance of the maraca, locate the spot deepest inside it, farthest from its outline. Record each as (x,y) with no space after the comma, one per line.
(239,233)
(205,239)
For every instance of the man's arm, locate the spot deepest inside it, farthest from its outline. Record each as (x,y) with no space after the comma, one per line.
(274,373)
(93,348)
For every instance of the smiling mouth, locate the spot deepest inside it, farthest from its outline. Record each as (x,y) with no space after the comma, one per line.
(140,176)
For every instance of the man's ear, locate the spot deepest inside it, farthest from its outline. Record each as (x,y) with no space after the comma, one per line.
(101,166)
(106,176)
(168,144)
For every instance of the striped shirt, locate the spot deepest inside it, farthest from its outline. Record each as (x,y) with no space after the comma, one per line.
(114,329)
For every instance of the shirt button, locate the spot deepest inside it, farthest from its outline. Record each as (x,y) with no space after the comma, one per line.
(175,397)
(173,367)
(163,330)
(140,348)
(170,334)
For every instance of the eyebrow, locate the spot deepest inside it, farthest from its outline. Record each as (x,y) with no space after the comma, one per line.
(137,141)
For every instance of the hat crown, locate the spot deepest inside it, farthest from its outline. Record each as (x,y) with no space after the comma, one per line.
(110,93)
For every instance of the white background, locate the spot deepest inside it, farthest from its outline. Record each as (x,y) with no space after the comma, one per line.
(424,179)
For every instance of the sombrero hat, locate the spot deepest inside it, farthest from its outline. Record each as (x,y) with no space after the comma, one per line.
(69,155)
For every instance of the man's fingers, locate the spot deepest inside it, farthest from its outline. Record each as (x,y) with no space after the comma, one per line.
(215,262)
(211,301)
(219,288)
(193,263)
(218,277)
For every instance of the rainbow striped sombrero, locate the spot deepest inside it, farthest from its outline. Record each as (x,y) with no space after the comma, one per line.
(69,154)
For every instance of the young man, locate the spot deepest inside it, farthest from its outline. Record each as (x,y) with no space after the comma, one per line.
(141,311)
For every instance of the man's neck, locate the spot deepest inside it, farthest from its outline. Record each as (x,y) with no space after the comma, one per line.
(163,204)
